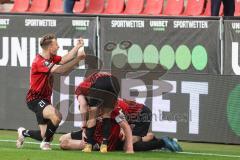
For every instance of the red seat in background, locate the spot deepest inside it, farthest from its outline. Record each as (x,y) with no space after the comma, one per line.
(79,6)
(174,7)
(134,7)
(38,6)
(114,6)
(194,8)
(237,8)
(95,7)
(153,7)
(55,6)
(20,6)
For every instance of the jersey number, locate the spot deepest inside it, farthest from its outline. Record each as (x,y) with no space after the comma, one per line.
(41,103)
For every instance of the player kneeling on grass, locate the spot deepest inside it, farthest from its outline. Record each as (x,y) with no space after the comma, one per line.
(38,98)
(76,140)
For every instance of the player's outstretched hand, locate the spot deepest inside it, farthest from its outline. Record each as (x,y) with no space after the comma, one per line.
(81,53)
(80,42)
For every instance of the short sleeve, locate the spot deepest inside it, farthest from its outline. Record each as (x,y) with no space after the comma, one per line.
(118,115)
(83,88)
(44,66)
(56,59)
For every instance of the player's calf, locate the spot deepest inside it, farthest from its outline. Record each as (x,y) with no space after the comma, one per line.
(23,133)
(52,126)
(90,140)
(106,134)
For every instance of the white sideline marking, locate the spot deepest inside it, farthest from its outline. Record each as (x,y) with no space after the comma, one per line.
(189,153)
(210,154)
(14,141)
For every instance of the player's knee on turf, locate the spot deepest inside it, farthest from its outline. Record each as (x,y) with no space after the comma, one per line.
(64,137)
(64,144)
(61,139)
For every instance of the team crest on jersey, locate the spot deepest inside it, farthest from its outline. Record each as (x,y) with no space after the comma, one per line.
(46,63)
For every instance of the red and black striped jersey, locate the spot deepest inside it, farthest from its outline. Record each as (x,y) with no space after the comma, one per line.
(128,107)
(84,87)
(113,138)
(116,117)
(41,80)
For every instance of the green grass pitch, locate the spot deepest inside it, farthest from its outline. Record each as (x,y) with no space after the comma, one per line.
(192,151)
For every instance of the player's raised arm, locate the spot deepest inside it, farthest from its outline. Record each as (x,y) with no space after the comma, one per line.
(73,52)
(62,69)
(39,94)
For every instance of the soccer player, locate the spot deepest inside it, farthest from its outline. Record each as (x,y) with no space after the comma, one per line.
(150,142)
(75,140)
(38,97)
(99,90)
(138,116)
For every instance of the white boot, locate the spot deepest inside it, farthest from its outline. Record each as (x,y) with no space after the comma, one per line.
(21,138)
(46,146)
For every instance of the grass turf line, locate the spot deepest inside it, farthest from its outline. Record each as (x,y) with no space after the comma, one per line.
(8,151)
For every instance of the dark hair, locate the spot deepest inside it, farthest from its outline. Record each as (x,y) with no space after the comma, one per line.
(46,40)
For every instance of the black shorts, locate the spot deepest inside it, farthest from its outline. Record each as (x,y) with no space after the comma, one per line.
(120,145)
(76,135)
(104,92)
(37,107)
(142,123)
